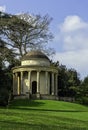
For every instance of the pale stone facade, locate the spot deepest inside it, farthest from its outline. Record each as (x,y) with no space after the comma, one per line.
(35,78)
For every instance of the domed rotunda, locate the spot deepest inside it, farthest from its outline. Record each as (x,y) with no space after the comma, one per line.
(35,78)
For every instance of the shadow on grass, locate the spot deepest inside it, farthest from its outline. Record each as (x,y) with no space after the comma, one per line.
(26,103)
(47,110)
(34,105)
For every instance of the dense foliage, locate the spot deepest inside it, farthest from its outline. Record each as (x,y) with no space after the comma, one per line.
(70,85)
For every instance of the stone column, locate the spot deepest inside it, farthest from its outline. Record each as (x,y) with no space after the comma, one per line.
(14,84)
(46,78)
(52,83)
(18,85)
(29,81)
(56,85)
(38,82)
(21,82)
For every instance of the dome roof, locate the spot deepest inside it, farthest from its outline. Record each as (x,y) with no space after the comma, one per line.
(34,55)
(35,58)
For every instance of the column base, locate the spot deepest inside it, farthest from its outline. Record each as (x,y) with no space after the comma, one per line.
(53,94)
(38,95)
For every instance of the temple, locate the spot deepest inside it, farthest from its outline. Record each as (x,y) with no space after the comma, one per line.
(36,78)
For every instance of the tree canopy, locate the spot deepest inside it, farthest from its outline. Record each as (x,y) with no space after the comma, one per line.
(25,32)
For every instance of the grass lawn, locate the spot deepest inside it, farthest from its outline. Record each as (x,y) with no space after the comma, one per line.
(43,115)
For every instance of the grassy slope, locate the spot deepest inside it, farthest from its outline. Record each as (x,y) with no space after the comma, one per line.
(44,115)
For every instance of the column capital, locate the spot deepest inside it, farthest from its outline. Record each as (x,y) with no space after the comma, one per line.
(39,71)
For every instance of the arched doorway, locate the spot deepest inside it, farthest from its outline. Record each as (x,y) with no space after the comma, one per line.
(34,87)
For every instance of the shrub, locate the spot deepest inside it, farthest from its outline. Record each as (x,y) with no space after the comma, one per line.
(4,95)
(82,100)
(85,100)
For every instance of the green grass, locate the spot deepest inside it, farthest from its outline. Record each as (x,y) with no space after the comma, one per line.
(43,115)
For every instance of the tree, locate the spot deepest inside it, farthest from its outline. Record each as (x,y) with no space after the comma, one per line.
(62,81)
(84,87)
(82,92)
(25,32)
(5,86)
(6,55)
(68,82)
(73,82)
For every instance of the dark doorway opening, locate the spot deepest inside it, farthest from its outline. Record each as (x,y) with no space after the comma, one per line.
(34,87)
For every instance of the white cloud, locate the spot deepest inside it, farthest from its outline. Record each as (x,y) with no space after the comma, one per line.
(73,59)
(3,8)
(76,41)
(74,33)
(72,23)
(73,36)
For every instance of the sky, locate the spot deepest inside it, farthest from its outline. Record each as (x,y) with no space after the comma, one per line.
(69,27)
